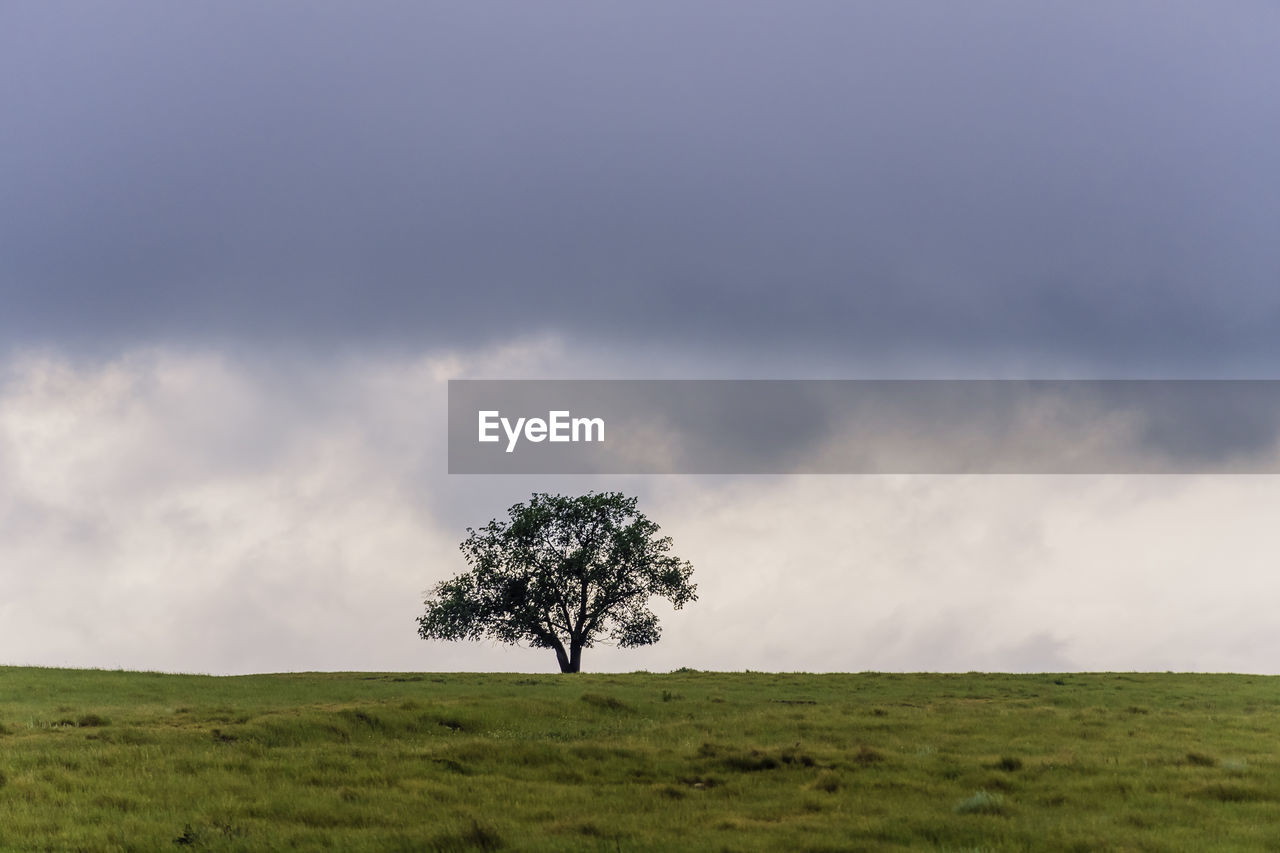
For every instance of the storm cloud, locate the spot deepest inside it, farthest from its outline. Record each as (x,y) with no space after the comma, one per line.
(1097,185)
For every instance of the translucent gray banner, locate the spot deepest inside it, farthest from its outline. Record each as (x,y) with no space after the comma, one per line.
(863,426)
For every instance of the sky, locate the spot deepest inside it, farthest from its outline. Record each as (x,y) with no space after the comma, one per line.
(244,246)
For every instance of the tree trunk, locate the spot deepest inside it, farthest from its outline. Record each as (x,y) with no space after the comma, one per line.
(575,658)
(570,661)
(562,658)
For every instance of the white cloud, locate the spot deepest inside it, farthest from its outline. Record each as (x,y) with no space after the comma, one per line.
(982,572)
(201,512)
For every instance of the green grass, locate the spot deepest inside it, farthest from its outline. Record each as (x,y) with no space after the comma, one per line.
(103,761)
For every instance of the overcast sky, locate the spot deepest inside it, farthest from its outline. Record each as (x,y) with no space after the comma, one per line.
(243,246)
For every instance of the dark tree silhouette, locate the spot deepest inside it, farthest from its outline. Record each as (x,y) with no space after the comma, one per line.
(561,573)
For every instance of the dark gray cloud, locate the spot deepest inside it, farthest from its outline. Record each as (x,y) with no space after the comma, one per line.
(1097,182)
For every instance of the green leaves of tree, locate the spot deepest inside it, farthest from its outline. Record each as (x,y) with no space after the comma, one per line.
(561,572)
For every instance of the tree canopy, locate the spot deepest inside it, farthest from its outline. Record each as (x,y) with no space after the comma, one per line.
(561,573)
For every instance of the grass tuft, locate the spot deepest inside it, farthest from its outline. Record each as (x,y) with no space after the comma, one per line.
(1199,759)
(793,755)
(1226,792)
(452,766)
(474,837)
(609,703)
(982,802)
(453,724)
(828,781)
(699,783)
(866,756)
(751,761)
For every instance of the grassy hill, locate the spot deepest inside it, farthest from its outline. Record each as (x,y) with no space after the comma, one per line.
(102,761)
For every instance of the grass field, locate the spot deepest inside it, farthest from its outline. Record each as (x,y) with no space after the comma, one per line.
(101,761)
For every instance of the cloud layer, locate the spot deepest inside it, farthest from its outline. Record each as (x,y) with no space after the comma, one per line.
(186,510)
(1089,184)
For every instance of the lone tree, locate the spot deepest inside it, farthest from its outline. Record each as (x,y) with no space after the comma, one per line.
(561,574)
